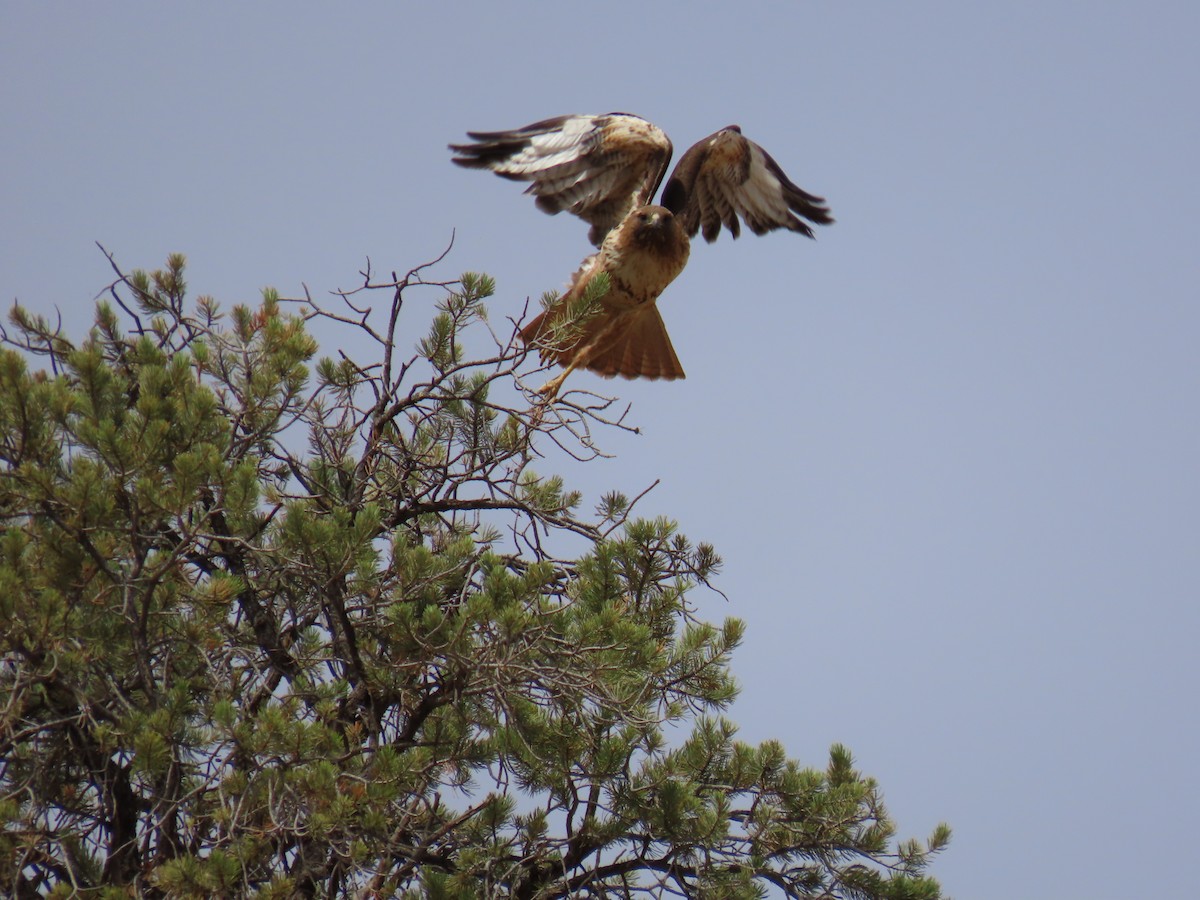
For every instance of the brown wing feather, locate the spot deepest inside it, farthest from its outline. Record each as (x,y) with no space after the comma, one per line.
(595,167)
(727,177)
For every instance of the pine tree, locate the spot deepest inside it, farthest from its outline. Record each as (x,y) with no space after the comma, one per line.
(282,626)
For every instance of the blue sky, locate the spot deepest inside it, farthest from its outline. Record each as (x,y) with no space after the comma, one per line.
(948,451)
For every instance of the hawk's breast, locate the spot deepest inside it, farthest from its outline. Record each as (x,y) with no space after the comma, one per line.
(644,255)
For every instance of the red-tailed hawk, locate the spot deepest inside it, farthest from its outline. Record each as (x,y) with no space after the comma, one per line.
(606,170)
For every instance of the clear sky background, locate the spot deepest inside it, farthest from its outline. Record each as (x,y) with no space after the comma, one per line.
(949,450)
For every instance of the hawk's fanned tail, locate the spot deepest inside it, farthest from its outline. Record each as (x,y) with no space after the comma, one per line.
(639,347)
(643,351)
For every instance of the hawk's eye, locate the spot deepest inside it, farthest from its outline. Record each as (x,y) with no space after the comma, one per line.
(644,216)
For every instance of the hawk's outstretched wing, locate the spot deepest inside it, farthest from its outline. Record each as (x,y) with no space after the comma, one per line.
(599,168)
(727,176)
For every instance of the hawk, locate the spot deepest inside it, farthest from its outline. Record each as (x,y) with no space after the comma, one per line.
(606,169)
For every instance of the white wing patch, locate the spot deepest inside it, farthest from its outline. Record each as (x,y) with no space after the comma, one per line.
(554,149)
(596,167)
(761,202)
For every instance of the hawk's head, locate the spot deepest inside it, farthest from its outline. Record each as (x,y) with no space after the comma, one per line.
(657,227)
